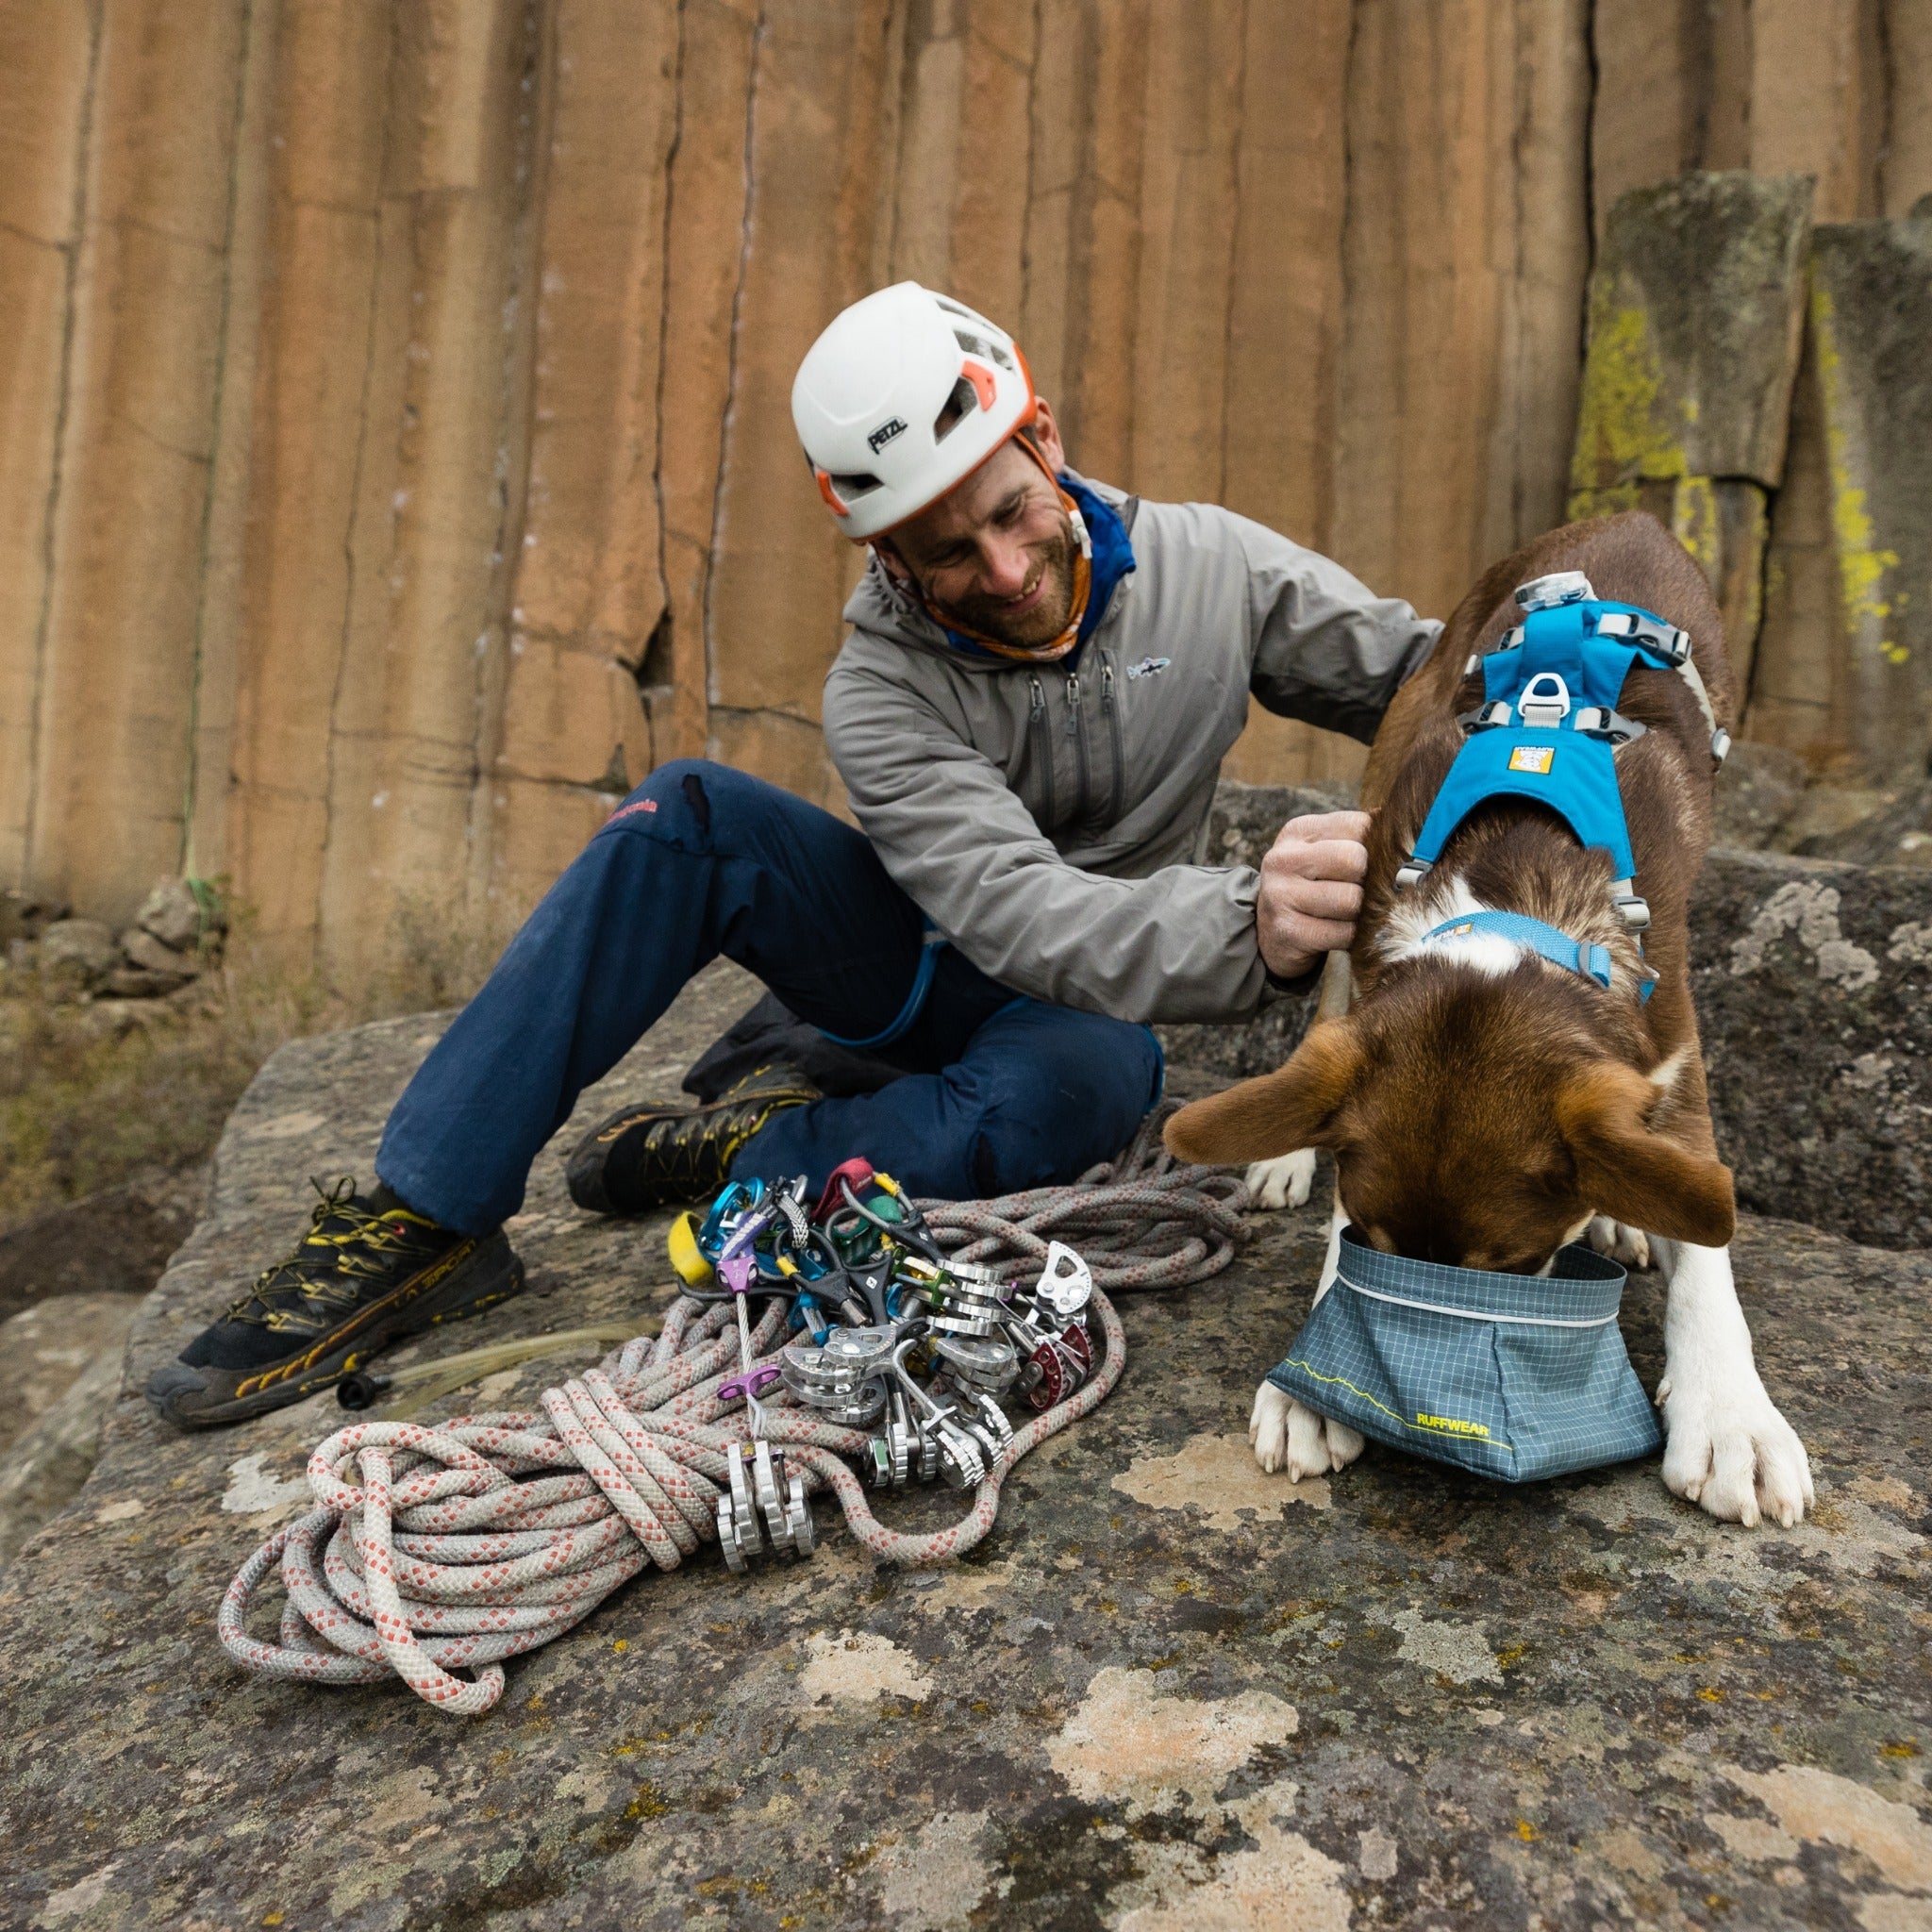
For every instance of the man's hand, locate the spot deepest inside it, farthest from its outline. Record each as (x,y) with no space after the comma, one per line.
(1311,890)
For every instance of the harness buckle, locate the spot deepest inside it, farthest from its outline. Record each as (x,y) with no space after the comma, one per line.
(1484,717)
(1598,720)
(1545,701)
(1560,587)
(1720,745)
(1669,643)
(1634,911)
(1409,872)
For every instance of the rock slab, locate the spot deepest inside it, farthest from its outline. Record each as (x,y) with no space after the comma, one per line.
(1167,1691)
(1696,305)
(1872,325)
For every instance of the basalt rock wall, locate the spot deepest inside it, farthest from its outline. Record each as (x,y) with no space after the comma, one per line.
(395,460)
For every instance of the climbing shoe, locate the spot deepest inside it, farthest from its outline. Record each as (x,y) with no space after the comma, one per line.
(368,1273)
(651,1156)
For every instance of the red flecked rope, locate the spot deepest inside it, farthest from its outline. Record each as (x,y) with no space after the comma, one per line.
(1141,1222)
(468,1541)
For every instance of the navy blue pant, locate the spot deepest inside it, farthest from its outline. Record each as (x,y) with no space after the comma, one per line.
(999,1092)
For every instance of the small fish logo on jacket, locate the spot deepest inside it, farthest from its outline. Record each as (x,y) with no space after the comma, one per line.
(1149,667)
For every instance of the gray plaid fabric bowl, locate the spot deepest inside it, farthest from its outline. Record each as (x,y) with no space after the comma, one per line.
(1515,1376)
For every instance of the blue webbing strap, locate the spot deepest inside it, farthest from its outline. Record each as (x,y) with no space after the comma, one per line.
(1569,772)
(1557,947)
(915,1000)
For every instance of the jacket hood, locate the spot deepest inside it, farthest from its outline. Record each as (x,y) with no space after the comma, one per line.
(880,608)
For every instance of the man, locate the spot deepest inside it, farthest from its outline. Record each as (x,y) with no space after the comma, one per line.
(1029,714)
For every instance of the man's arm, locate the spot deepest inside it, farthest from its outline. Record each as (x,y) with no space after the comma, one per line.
(1325,649)
(1177,945)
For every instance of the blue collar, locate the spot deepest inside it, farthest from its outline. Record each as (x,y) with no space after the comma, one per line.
(1592,961)
(1112,559)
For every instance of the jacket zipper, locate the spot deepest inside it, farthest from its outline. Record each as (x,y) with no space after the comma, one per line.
(1042,750)
(1077,730)
(1113,730)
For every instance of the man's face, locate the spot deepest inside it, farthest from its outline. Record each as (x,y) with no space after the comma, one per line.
(998,551)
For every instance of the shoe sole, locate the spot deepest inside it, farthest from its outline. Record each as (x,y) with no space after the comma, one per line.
(472,1278)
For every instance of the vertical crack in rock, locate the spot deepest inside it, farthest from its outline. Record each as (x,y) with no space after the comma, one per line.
(731,364)
(1235,180)
(338,686)
(659,752)
(516,421)
(70,294)
(190,764)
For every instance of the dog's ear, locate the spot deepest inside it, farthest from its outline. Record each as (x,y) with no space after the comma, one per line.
(1641,1178)
(1279,1112)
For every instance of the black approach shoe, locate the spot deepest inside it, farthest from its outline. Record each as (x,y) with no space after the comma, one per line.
(364,1276)
(651,1156)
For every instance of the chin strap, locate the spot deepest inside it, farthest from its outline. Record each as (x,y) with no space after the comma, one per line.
(1083,585)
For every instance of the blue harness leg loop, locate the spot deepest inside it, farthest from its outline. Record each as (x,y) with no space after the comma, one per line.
(915,1001)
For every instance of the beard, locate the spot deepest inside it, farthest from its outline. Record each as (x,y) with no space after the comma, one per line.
(1042,624)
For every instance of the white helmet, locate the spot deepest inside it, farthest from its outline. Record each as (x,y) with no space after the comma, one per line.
(904,395)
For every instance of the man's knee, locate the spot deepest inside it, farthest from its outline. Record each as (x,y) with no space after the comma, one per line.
(1061,1093)
(694,801)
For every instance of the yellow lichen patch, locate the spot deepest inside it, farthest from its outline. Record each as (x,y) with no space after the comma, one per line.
(1695,522)
(1861,565)
(1623,431)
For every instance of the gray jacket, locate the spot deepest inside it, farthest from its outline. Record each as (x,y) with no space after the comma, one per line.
(1051,819)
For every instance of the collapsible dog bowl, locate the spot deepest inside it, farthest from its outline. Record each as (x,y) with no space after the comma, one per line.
(1516,1377)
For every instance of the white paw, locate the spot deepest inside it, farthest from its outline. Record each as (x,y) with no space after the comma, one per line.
(1630,1245)
(1734,1455)
(1283,1182)
(1288,1435)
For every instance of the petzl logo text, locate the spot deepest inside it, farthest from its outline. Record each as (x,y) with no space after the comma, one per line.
(885,433)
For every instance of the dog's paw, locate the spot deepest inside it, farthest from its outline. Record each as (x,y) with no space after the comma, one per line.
(1283,1182)
(1735,1457)
(1288,1435)
(1630,1245)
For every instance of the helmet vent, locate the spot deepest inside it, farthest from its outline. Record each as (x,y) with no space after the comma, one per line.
(978,345)
(854,484)
(959,404)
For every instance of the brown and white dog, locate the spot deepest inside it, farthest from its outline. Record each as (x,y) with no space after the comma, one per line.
(1484,1105)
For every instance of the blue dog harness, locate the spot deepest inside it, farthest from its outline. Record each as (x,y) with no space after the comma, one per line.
(1548,731)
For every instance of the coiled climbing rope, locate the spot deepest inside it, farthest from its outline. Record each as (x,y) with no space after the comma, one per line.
(441,1547)
(1141,1222)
